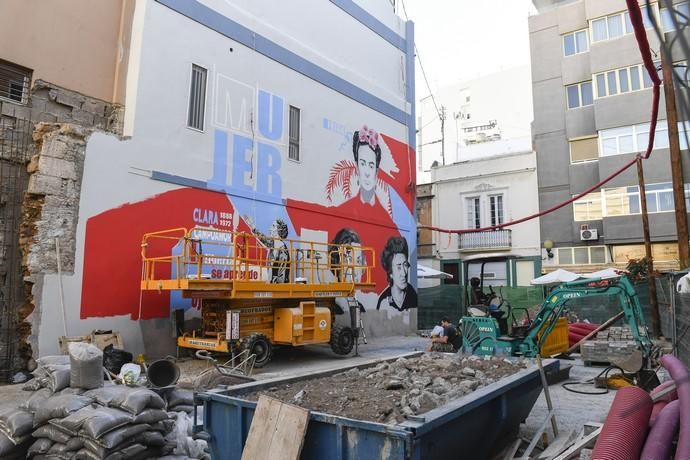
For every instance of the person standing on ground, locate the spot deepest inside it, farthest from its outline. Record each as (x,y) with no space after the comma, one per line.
(449,341)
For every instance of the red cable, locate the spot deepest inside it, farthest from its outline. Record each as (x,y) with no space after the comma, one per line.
(643,44)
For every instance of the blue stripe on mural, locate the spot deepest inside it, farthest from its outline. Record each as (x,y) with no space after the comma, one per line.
(227,190)
(409,73)
(178,180)
(252,197)
(371,23)
(241,34)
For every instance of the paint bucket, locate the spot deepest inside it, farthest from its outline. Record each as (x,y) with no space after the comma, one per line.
(163,373)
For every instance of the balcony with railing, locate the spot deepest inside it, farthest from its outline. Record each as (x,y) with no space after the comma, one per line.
(485,241)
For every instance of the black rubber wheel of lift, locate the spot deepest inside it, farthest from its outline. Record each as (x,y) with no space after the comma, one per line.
(342,340)
(259,345)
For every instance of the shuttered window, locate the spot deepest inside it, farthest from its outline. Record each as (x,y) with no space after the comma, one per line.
(294,153)
(14,82)
(197,98)
(584,149)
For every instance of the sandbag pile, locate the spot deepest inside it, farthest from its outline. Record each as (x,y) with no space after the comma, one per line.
(81,369)
(15,433)
(71,415)
(179,400)
(112,422)
(53,372)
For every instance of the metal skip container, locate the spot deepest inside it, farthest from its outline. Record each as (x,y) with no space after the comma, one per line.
(475,426)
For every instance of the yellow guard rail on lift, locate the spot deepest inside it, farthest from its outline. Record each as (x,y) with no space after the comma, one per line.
(228,264)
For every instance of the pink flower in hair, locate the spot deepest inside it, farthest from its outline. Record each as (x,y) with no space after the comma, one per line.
(369,136)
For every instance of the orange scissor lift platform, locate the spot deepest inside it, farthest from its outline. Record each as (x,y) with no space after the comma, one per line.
(257,289)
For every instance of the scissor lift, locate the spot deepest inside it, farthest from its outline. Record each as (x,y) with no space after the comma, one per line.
(255,291)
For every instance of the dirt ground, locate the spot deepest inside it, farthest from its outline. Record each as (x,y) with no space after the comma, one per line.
(389,391)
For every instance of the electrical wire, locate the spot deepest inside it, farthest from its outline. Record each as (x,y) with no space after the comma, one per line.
(421,66)
(605,373)
(429,122)
(643,45)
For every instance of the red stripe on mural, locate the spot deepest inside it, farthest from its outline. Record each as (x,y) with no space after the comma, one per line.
(112,251)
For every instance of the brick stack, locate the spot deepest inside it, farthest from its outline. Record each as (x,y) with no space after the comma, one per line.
(613,344)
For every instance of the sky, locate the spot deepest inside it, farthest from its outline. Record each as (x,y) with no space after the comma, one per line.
(463,39)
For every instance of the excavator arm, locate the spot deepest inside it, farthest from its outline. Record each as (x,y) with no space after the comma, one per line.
(553,306)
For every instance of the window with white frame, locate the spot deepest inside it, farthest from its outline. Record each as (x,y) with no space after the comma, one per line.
(621,201)
(587,208)
(496,209)
(294,131)
(575,43)
(676,15)
(473,212)
(581,255)
(14,82)
(616,25)
(579,95)
(619,81)
(625,201)
(484,210)
(584,149)
(659,197)
(197,98)
(631,139)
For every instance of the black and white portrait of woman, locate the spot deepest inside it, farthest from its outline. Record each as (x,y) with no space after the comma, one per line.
(395,261)
(279,254)
(346,256)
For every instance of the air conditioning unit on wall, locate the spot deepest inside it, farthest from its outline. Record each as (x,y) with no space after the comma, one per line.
(589,234)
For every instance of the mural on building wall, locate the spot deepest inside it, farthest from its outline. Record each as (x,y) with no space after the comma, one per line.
(395,260)
(279,254)
(366,199)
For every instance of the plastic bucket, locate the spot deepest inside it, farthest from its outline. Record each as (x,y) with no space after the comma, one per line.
(163,373)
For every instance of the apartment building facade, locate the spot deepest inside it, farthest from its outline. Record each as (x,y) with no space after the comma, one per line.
(482,193)
(592,104)
(240,116)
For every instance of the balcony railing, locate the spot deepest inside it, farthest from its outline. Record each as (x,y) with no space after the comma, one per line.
(482,241)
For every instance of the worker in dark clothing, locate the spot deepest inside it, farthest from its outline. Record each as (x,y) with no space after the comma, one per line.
(449,342)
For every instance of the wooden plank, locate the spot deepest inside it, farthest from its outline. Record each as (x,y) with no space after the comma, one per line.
(559,445)
(103,340)
(526,454)
(277,431)
(582,444)
(64,341)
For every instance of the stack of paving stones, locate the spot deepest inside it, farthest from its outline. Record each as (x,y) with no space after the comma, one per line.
(112,422)
(613,344)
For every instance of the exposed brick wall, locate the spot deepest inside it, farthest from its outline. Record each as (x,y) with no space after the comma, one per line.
(55,181)
(52,104)
(50,209)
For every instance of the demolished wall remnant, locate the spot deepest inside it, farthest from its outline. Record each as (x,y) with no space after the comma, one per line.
(50,211)
(46,203)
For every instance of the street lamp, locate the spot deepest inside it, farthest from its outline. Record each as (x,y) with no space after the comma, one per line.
(548,245)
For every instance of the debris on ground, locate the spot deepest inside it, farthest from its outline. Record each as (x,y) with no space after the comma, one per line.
(639,424)
(390,391)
